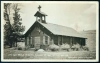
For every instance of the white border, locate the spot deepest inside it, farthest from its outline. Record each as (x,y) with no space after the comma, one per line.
(46,60)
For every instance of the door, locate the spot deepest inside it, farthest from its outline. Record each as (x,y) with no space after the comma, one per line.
(37,42)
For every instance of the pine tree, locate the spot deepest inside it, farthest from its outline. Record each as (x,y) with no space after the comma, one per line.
(12,32)
(17,25)
(7,26)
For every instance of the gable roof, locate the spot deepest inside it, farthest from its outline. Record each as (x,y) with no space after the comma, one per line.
(39,12)
(61,30)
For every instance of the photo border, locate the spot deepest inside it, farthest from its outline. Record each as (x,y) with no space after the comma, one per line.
(46,60)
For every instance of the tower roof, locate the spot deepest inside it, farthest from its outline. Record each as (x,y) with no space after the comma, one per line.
(39,13)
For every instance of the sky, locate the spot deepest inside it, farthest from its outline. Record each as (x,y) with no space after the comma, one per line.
(77,15)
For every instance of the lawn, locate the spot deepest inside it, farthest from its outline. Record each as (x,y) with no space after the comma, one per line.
(30,54)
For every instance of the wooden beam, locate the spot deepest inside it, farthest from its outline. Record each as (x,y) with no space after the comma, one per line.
(43,40)
(58,39)
(29,40)
(70,40)
(85,41)
(48,40)
(81,42)
(36,18)
(52,39)
(25,41)
(62,39)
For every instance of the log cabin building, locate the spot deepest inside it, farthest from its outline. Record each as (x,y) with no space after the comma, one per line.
(42,33)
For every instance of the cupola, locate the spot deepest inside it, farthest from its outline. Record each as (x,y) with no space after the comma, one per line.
(40,16)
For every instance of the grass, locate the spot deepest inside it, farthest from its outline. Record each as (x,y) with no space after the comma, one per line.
(20,54)
(31,54)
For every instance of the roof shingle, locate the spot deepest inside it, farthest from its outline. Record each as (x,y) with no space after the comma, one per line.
(62,30)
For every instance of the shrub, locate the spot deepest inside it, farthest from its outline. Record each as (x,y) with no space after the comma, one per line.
(54,47)
(6,46)
(15,48)
(27,47)
(45,47)
(65,47)
(36,49)
(76,47)
(85,48)
(19,48)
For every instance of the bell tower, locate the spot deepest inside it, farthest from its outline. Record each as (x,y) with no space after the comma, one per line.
(40,16)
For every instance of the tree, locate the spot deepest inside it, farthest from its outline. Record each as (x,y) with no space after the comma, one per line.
(7,26)
(17,25)
(12,32)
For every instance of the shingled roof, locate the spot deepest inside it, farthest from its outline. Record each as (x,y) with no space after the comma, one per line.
(62,30)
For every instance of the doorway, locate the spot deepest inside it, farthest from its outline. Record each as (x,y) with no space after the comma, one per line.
(37,42)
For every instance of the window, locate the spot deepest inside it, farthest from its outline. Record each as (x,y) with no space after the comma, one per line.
(46,39)
(31,40)
(39,31)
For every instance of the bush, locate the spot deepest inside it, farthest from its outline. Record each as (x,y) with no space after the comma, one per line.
(19,48)
(76,47)
(65,47)
(42,46)
(6,46)
(36,49)
(54,47)
(27,47)
(85,48)
(15,48)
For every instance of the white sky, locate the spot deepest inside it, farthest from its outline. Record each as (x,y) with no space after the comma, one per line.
(80,16)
